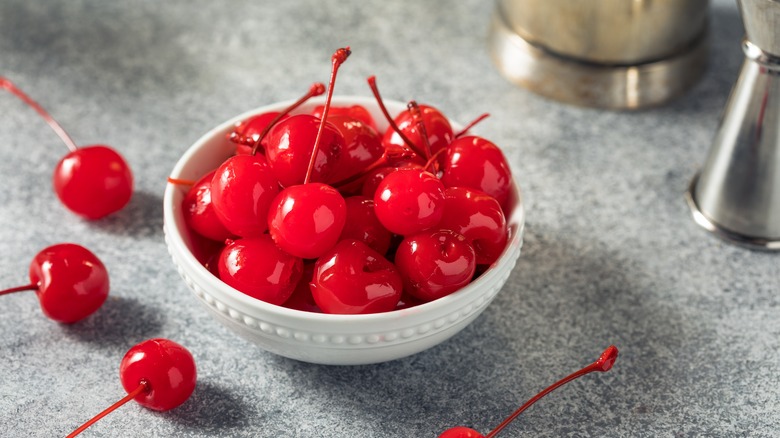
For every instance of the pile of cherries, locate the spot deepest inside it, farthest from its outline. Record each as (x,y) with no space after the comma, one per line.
(322,212)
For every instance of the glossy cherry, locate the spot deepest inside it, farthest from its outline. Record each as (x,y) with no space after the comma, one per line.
(436,126)
(362,147)
(199,212)
(91,181)
(306,219)
(70,281)
(477,163)
(352,278)
(358,112)
(241,192)
(289,149)
(409,201)
(434,264)
(603,363)
(479,218)
(362,224)
(158,374)
(258,268)
(250,133)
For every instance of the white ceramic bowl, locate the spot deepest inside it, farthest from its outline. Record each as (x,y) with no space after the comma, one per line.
(322,338)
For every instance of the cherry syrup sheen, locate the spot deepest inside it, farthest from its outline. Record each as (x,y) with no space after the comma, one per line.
(603,364)
(158,374)
(91,181)
(70,282)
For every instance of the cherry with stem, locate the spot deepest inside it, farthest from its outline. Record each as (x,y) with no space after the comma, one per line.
(70,282)
(602,364)
(91,181)
(306,219)
(393,125)
(158,374)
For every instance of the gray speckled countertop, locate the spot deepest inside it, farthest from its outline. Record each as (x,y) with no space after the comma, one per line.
(611,254)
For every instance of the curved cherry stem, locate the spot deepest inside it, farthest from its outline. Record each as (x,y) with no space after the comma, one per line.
(316,89)
(414,110)
(604,363)
(142,387)
(181,182)
(31,286)
(6,84)
(471,125)
(433,160)
(337,59)
(375,90)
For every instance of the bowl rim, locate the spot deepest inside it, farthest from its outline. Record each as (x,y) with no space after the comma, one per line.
(173,234)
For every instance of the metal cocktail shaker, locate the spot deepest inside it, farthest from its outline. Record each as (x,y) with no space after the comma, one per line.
(737,193)
(601,53)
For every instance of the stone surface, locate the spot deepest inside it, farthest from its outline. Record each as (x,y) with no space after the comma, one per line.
(611,254)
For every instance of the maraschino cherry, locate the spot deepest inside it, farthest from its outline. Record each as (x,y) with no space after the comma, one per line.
(92,181)
(352,278)
(603,364)
(306,220)
(479,164)
(158,374)
(408,201)
(434,264)
(258,268)
(70,281)
(199,212)
(479,218)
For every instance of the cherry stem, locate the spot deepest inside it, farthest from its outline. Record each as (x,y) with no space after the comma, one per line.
(471,125)
(181,182)
(414,109)
(6,84)
(316,89)
(604,363)
(142,387)
(31,286)
(434,159)
(375,90)
(337,59)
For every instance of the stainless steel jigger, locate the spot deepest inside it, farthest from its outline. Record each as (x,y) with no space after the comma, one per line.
(736,195)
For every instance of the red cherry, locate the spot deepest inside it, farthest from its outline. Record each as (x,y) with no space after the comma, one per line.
(306,220)
(408,201)
(289,149)
(358,112)
(241,192)
(434,264)
(248,132)
(352,278)
(167,369)
(158,374)
(479,218)
(199,212)
(362,147)
(437,128)
(301,298)
(602,364)
(258,268)
(461,432)
(91,181)
(476,163)
(70,281)
(363,225)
